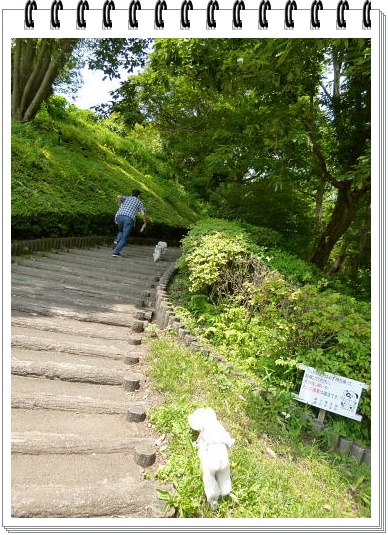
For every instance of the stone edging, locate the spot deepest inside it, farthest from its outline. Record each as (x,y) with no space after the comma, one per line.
(21,247)
(45,244)
(165,317)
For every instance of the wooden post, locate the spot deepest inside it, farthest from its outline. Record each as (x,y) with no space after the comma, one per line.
(321,415)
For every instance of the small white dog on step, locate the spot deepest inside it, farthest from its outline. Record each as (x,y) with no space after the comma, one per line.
(213,443)
(160,249)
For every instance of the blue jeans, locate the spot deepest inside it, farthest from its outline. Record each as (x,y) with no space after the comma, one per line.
(125,225)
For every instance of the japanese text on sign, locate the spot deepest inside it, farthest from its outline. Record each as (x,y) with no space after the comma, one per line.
(331,392)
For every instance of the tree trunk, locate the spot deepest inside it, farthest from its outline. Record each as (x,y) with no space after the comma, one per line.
(341,218)
(36,64)
(354,265)
(340,259)
(319,203)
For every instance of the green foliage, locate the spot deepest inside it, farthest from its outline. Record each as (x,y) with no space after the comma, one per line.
(213,252)
(294,269)
(68,167)
(271,466)
(268,311)
(256,127)
(259,203)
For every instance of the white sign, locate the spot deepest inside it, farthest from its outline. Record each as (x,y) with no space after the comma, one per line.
(331,392)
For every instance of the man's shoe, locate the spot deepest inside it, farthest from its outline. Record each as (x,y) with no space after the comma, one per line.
(116,255)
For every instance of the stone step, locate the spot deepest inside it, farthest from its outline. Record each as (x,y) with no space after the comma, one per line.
(71,327)
(45,393)
(107,496)
(41,340)
(22,277)
(93,269)
(81,439)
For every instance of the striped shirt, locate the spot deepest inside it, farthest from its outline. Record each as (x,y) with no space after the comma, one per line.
(130,206)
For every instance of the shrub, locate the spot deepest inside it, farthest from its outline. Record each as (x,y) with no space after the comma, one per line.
(268,311)
(258,203)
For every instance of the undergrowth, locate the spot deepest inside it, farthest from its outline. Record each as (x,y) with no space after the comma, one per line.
(267,311)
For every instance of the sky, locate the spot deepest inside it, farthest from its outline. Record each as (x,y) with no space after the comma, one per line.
(94,90)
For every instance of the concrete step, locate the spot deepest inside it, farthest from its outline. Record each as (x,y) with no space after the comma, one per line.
(74,297)
(61,424)
(22,278)
(81,397)
(79,344)
(80,437)
(71,327)
(102,488)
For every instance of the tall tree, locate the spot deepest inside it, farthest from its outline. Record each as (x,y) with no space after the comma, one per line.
(252,109)
(37,64)
(347,166)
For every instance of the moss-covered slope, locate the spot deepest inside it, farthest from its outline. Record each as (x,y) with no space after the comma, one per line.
(67,172)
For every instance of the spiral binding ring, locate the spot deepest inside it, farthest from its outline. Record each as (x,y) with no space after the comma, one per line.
(342,5)
(264,5)
(315,7)
(290,6)
(366,14)
(186,5)
(55,7)
(237,7)
(82,5)
(133,7)
(28,21)
(108,6)
(160,5)
(211,7)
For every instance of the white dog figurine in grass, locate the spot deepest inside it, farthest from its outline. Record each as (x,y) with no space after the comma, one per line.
(160,249)
(213,443)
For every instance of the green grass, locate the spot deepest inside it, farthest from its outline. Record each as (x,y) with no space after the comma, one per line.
(68,170)
(275,473)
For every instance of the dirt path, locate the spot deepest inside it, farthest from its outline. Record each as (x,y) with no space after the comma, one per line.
(81,442)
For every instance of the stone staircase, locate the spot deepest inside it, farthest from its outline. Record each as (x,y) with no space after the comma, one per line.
(80,439)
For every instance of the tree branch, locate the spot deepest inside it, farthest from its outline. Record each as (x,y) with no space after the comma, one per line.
(50,75)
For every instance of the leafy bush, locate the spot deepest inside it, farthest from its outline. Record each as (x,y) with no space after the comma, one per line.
(262,205)
(268,311)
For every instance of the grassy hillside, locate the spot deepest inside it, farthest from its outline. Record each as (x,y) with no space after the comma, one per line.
(67,169)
